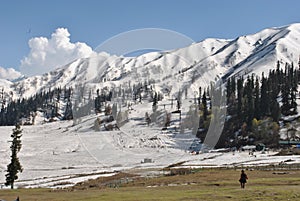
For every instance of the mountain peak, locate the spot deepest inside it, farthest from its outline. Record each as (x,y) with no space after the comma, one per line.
(198,63)
(294,27)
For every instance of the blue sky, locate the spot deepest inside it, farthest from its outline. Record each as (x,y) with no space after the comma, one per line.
(94,21)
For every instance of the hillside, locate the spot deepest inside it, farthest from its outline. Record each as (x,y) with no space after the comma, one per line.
(60,154)
(199,63)
(129,113)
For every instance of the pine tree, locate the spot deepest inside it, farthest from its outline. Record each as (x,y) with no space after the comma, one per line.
(285,94)
(264,100)
(155,99)
(228,91)
(298,74)
(115,110)
(199,98)
(256,100)
(68,112)
(294,89)
(204,104)
(249,97)
(98,103)
(14,167)
(240,97)
(275,111)
(179,98)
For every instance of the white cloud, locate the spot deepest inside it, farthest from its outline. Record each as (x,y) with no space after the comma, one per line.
(9,73)
(47,54)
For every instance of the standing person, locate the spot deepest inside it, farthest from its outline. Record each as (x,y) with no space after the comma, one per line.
(243,179)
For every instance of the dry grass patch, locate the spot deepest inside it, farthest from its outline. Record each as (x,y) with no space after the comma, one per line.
(204,184)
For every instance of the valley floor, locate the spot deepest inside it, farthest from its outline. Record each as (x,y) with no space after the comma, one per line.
(206,184)
(58,155)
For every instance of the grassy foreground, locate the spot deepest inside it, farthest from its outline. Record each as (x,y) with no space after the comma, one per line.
(203,185)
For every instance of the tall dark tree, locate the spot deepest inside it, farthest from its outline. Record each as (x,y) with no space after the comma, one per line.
(264,100)
(228,90)
(294,89)
(285,94)
(179,100)
(15,166)
(257,100)
(98,102)
(240,97)
(155,99)
(204,104)
(69,111)
(249,106)
(199,99)
(275,111)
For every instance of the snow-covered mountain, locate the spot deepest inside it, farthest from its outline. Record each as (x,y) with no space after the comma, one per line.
(189,67)
(73,150)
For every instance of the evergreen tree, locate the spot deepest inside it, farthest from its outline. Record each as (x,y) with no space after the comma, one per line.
(264,100)
(231,91)
(115,110)
(228,90)
(275,111)
(240,97)
(285,94)
(250,106)
(179,98)
(233,86)
(98,102)
(155,99)
(294,89)
(178,104)
(14,167)
(68,112)
(256,100)
(204,104)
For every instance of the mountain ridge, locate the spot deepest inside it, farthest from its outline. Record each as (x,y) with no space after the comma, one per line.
(205,61)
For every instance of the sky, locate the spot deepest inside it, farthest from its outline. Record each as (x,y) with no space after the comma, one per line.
(47,34)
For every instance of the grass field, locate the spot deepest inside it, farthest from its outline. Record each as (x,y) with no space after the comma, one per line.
(213,184)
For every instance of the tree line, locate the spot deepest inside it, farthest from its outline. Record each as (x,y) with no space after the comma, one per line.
(255,105)
(49,102)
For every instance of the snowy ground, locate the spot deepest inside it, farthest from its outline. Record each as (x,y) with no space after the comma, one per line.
(61,154)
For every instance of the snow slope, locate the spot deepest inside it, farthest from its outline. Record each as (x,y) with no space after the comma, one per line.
(63,152)
(199,63)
